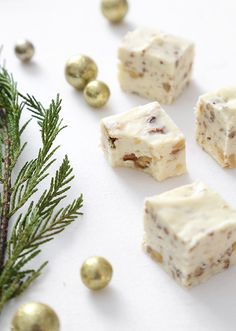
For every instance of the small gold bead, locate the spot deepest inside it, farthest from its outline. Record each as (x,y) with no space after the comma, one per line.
(114,10)
(96,93)
(96,273)
(34,316)
(24,50)
(79,70)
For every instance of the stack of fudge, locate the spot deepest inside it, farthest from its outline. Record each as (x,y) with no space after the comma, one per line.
(190,231)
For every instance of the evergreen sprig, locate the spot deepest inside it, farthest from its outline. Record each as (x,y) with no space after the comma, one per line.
(43,218)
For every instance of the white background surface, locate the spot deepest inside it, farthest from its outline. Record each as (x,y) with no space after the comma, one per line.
(141,296)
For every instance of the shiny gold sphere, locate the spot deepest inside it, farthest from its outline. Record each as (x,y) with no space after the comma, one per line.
(79,70)
(114,10)
(24,50)
(96,273)
(35,316)
(96,93)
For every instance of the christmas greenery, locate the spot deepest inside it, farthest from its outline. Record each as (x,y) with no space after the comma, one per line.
(23,232)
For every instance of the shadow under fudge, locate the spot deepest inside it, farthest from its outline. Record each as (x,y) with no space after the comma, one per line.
(218,298)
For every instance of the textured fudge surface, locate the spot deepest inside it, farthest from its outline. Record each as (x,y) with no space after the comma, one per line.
(145,138)
(216,125)
(191,231)
(154,64)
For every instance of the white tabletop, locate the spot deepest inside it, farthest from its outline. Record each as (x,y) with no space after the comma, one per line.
(141,296)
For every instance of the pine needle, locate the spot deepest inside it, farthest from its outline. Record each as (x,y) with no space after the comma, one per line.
(44,218)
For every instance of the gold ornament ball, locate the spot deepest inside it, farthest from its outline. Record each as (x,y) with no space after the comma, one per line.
(79,70)
(34,316)
(114,10)
(96,93)
(24,50)
(96,273)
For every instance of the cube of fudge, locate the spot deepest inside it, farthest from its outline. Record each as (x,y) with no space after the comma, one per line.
(216,125)
(155,65)
(191,232)
(144,138)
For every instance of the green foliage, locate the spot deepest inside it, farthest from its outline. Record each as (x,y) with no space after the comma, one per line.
(44,218)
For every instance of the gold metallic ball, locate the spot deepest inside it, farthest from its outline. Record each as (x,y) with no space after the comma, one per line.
(34,316)
(24,50)
(114,10)
(96,93)
(79,70)
(96,273)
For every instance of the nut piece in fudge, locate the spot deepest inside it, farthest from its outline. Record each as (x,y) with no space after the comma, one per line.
(216,125)
(155,65)
(191,232)
(144,138)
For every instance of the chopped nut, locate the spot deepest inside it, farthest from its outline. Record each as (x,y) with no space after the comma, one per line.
(179,167)
(130,157)
(166,231)
(140,162)
(178,147)
(232,161)
(152,119)
(234,247)
(220,154)
(226,264)
(157,130)
(212,116)
(143,162)
(111,141)
(201,108)
(137,141)
(134,74)
(198,272)
(143,52)
(166,87)
(178,273)
(232,134)
(209,106)
(154,255)
(229,251)
(128,63)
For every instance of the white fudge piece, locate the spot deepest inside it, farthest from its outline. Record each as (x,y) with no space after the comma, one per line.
(216,125)
(144,138)
(191,232)
(155,65)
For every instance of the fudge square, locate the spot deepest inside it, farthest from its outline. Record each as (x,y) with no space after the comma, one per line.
(144,138)
(191,232)
(216,125)
(155,65)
